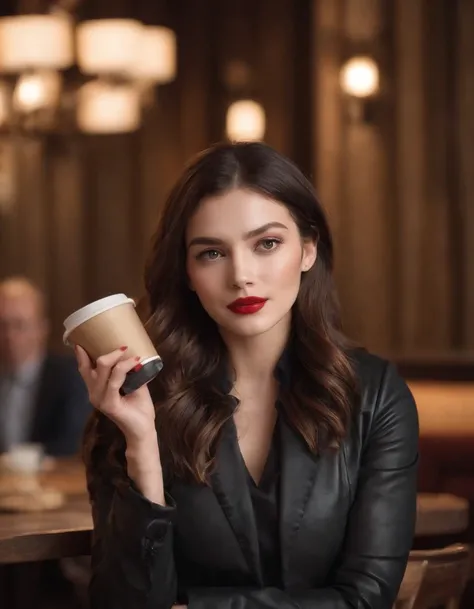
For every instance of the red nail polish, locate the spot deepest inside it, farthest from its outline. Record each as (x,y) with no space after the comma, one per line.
(138,367)
(123,348)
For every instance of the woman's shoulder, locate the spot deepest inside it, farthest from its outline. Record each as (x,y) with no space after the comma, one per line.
(378,380)
(388,421)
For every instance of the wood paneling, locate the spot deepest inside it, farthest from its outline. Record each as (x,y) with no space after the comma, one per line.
(410,164)
(464,133)
(327,132)
(398,188)
(33,212)
(435,316)
(68,243)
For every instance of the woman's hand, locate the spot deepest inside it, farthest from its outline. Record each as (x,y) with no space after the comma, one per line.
(133,414)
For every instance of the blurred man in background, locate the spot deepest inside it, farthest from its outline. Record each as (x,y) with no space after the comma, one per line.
(42,396)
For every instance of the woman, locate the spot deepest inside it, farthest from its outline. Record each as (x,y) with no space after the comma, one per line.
(280,470)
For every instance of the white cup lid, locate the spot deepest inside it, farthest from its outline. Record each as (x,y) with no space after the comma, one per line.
(91,310)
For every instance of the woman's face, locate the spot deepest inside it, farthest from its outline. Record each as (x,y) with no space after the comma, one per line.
(244,258)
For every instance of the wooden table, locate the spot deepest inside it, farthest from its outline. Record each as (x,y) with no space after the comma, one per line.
(66,532)
(50,534)
(441,514)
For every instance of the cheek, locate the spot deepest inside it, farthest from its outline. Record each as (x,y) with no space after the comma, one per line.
(286,269)
(203,281)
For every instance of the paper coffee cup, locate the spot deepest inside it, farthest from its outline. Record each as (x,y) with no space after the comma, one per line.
(107,324)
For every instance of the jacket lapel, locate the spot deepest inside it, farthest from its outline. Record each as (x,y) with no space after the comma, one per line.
(230,486)
(298,474)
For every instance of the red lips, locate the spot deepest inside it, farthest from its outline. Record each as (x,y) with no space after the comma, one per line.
(247,306)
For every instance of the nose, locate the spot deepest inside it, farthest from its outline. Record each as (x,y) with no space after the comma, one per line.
(241,271)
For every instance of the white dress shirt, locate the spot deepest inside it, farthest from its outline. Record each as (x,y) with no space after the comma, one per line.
(18,393)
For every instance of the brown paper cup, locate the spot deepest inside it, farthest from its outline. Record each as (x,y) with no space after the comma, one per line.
(107,324)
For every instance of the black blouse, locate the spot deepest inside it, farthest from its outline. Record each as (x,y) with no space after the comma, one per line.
(265,495)
(265,501)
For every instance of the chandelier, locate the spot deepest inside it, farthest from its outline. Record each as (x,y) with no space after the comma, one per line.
(96,76)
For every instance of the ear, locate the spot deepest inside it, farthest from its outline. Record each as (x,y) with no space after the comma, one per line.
(309,255)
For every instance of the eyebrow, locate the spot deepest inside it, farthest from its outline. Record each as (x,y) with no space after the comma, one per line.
(253,233)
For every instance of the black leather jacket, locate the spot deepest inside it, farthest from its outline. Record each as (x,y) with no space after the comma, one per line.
(347,521)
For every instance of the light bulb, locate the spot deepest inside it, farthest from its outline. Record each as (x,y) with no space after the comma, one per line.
(360,77)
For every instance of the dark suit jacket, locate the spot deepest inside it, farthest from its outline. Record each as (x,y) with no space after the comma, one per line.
(347,521)
(62,407)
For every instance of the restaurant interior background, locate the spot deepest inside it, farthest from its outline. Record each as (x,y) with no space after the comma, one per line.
(77,209)
(391,154)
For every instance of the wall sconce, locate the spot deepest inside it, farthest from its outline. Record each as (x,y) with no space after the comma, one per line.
(245,121)
(360,81)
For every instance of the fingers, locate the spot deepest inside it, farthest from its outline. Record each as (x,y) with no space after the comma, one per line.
(117,378)
(105,363)
(84,363)
(97,379)
(111,400)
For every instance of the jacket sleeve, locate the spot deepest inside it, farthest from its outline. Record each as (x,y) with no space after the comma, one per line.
(380,527)
(132,551)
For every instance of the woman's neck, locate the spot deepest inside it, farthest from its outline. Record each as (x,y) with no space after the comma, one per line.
(254,358)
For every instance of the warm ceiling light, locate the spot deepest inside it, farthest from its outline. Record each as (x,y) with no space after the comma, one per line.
(107,108)
(36,91)
(156,59)
(108,46)
(245,121)
(360,77)
(36,42)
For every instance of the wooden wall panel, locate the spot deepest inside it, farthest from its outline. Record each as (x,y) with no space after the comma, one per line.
(9,212)
(275,58)
(410,164)
(328,129)
(113,197)
(366,202)
(398,189)
(33,213)
(435,318)
(465,139)
(195,35)
(352,172)
(68,237)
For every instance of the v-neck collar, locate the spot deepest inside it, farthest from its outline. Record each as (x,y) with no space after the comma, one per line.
(297,476)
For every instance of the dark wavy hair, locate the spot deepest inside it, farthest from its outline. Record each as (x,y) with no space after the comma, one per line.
(191,405)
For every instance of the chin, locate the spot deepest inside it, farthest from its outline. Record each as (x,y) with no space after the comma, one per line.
(249,325)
